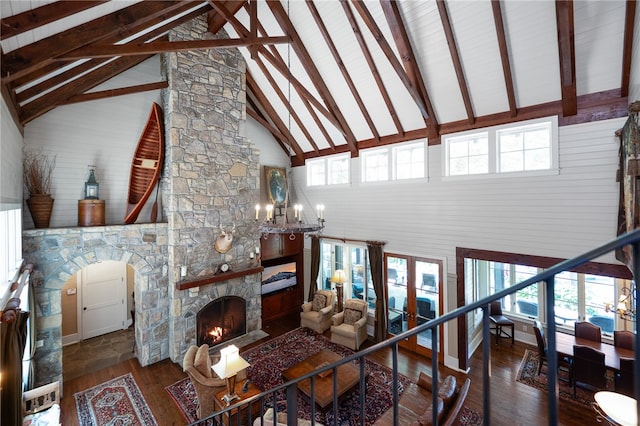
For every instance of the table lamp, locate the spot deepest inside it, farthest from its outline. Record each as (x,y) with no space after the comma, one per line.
(229,365)
(339,278)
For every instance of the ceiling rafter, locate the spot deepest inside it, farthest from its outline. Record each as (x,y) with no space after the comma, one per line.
(278,63)
(72,73)
(567,51)
(504,56)
(315,76)
(12,26)
(372,65)
(286,102)
(62,94)
(274,117)
(345,73)
(110,93)
(41,53)
(403,44)
(391,57)
(627,48)
(455,57)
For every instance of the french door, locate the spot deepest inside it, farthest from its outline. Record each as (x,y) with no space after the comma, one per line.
(413,298)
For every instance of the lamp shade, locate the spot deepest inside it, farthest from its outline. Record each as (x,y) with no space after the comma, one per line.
(230,362)
(339,277)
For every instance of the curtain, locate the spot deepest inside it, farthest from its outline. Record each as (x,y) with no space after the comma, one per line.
(13,338)
(375,263)
(315,266)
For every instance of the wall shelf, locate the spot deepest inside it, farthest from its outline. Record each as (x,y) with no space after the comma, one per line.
(218,277)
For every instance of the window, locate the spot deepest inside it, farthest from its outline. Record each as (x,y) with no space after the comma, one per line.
(525,148)
(354,261)
(468,155)
(578,297)
(10,246)
(331,170)
(394,162)
(409,161)
(375,165)
(528,147)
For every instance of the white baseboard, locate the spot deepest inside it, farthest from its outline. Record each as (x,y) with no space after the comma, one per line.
(70,339)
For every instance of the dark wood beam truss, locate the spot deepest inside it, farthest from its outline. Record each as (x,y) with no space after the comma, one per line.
(567,51)
(455,57)
(372,65)
(504,55)
(627,48)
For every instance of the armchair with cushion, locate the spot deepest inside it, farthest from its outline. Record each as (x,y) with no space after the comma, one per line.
(316,314)
(197,364)
(350,326)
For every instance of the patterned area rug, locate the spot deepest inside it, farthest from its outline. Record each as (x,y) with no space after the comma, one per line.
(116,402)
(271,358)
(528,374)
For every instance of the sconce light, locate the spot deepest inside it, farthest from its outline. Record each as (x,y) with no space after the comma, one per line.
(91,186)
(231,363)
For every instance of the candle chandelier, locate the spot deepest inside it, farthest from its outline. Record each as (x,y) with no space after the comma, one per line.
(626,306)
(271,224)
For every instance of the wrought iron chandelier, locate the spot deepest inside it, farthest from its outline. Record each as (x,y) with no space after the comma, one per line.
(271,225)
(626,306)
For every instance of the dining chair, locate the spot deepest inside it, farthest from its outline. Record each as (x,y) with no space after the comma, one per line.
(623,379)
(586,330)
(623,339)
(588,368)
(500,322)
(564,364)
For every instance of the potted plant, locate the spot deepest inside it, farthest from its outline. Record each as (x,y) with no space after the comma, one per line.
(37,169)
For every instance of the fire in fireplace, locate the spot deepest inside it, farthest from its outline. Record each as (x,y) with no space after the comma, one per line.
(222,319)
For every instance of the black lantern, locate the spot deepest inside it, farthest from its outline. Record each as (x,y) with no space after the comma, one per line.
(91,186)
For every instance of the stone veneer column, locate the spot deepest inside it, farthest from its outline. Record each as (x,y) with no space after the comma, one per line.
(211,180)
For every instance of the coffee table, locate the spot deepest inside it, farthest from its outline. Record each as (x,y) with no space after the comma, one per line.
(347,377)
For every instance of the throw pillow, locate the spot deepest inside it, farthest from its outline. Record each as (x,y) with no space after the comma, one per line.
(351,316)
(425,381)
(319,302)
(202,362)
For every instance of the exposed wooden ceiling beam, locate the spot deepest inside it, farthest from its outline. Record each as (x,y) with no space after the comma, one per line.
(567,51)
(314,74)
(504,55)
(215,20)
(60,95)
(72,73)
(390,54)
(111,93)
(372,65)
(455,57)
(11,26)
(41,53)
(343,69)
(627,48)
(403,44)
(274,117)
(129,49)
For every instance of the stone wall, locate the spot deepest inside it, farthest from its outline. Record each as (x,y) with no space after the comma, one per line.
(212,179)
(59,253)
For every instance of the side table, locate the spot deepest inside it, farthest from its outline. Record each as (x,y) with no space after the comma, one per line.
(231,417)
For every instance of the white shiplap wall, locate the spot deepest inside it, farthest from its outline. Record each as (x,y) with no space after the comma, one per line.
(103,133)
(559,215)
(10,160)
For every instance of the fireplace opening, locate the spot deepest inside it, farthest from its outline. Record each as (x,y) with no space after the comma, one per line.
(220,320)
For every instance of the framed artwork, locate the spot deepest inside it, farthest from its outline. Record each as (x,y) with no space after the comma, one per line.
(277,190)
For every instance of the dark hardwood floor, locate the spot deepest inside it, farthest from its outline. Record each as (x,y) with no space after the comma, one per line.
(513,403)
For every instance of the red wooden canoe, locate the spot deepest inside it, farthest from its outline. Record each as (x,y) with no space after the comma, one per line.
(146,165)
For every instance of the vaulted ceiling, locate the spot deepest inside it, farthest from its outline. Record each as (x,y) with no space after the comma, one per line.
(331,76)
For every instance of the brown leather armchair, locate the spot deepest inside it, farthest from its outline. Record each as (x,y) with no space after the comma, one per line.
(588,368)
(564,364)
(317,314)
(624,339)
(350,326)
(197,364)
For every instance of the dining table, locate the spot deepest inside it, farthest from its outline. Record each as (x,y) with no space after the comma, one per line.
(612,354)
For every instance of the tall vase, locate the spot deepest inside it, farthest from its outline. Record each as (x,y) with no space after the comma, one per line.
(40,206)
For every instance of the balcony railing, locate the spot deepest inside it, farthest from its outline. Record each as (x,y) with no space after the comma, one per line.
(546,277)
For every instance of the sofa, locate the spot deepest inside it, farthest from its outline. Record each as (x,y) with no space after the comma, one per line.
(415,407)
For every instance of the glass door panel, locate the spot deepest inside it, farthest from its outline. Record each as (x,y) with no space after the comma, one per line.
(397,294)
(427,284)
